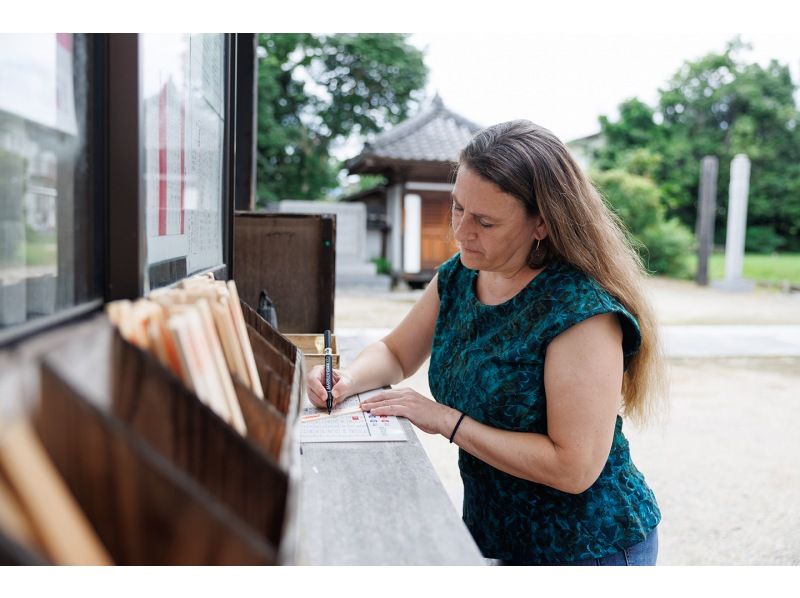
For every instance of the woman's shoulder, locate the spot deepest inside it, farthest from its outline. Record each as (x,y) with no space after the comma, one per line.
(573,287)
(576,296)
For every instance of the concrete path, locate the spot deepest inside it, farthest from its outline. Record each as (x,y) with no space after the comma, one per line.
(732,341)
(679,341)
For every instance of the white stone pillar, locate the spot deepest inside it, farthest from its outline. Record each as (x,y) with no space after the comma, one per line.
(394,212)
(412,235)
(737,225)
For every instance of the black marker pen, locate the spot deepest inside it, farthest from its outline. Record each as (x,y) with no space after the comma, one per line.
(328,370)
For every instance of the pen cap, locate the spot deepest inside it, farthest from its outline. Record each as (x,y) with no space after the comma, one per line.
(327,339)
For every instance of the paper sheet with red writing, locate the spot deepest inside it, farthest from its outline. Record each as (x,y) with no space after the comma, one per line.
(347,423)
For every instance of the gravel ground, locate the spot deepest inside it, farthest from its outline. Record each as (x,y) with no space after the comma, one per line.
(676,301)
(725,464)
(683,302)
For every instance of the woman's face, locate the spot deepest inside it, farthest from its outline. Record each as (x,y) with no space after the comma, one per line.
(492,228)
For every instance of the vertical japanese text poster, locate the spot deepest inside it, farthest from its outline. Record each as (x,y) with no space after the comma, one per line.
(183,91)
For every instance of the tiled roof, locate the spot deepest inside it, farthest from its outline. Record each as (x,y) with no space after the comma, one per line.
(436,134)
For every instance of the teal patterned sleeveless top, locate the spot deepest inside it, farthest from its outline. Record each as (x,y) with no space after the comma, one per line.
(488,362)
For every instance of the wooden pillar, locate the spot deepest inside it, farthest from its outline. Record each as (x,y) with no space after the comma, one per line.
(706,208)
(246,92)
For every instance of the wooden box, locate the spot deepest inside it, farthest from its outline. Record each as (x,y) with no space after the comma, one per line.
(145,510)
(162,478)
(292,257)
(311,346)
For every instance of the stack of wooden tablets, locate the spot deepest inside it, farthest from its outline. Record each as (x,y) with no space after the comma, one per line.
(197,331)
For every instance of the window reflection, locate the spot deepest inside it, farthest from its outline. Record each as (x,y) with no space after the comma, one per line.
(44,186)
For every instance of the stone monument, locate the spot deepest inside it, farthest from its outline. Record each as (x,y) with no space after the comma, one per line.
(737,225)
(706,208)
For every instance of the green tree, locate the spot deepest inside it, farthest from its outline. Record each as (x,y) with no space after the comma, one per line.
(718,105)
(636,130)
(663,244)
(316,90)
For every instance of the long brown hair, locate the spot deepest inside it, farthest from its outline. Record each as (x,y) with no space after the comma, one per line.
(530,163)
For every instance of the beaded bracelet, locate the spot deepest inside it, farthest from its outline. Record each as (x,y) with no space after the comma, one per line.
(453,435)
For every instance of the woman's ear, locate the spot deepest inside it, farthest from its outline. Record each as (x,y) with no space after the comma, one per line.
(540,230)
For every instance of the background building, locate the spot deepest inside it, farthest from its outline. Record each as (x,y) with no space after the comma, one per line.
(417,158)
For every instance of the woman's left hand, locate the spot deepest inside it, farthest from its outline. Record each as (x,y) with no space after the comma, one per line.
(428,415)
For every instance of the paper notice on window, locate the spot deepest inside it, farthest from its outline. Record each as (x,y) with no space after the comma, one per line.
(183,95)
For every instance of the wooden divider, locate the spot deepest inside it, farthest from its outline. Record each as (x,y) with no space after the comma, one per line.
(277,340)
(162,411)
(159,475)
(279,351)
(144,510)
(274,371)
(266,426)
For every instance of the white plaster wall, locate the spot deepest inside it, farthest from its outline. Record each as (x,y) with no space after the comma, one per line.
(351,225)
(412,234)
(394,215)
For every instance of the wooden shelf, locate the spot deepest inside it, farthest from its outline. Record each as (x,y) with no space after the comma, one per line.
(159,475)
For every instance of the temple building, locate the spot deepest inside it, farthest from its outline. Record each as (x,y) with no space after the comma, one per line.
(409,216)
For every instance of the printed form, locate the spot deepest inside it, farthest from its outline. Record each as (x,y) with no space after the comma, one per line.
(347,423)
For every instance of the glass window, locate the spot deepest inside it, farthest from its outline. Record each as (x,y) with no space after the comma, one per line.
(183,89)
(48,260)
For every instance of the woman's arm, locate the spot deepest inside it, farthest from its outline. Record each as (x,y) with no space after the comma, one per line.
(583,382)
(390,360)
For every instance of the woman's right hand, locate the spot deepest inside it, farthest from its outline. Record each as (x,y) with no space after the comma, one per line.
(315,386)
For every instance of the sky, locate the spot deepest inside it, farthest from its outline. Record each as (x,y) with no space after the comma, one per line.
(565,81)
(560,64)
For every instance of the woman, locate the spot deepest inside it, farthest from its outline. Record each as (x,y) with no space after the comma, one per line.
(539,336)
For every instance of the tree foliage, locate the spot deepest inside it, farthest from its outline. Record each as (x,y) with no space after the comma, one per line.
(316,90)
(663,244)
(718,105)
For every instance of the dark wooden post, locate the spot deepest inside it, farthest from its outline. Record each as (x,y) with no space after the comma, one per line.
(246,121)
(706,208)
(126,225)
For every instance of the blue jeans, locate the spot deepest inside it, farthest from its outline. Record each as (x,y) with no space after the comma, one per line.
(643,553)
